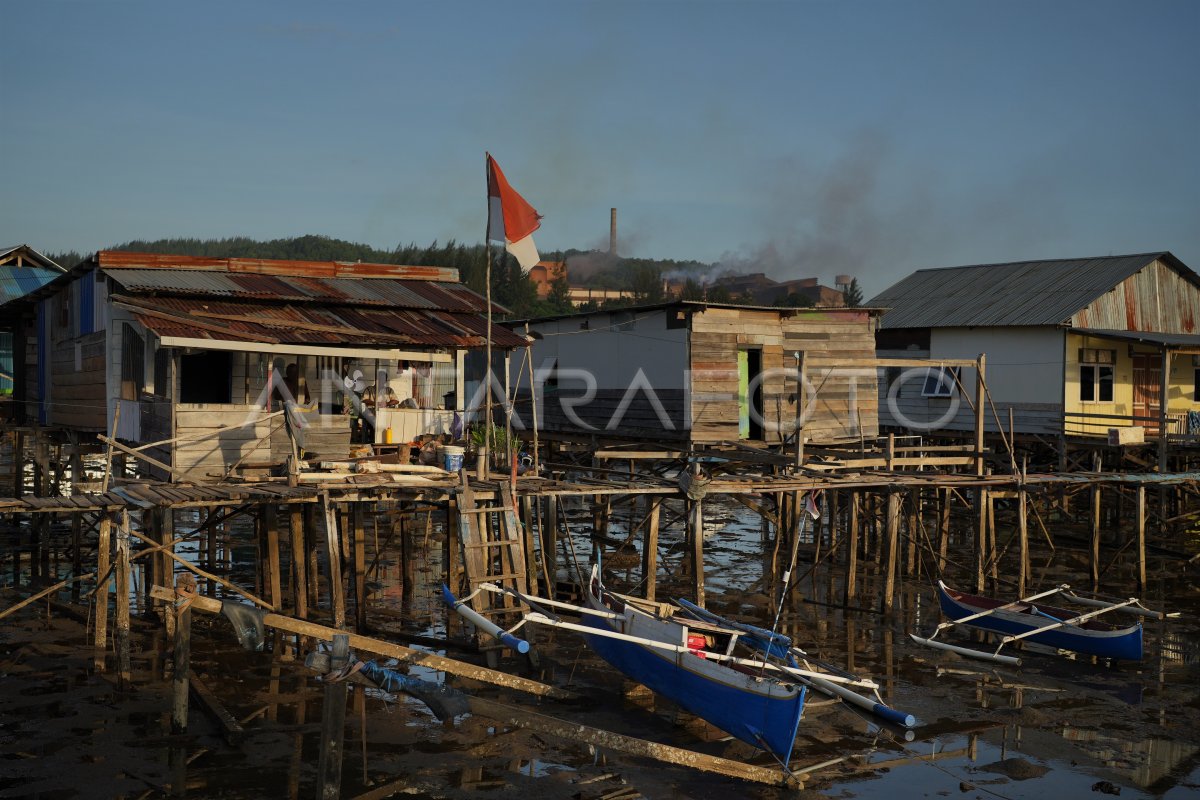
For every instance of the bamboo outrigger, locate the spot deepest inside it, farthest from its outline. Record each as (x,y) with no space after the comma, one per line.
(1047,625)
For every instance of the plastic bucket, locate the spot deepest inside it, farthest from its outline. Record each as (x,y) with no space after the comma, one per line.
(452,458)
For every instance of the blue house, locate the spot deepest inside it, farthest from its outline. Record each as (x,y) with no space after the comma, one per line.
(22,269)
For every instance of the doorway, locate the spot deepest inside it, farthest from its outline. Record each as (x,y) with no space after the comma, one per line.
(749,369)
(1147,390)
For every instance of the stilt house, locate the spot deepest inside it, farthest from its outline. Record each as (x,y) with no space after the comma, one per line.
(703,373)
(202,353)
(1073,347)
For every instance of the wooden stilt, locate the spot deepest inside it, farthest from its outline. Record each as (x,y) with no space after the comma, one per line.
(1140,511)
(1023,533)
(698,550)
(333,725)
(408,558)
(943,533)
(121,633)
(183,666)
(1095,553)
(851,551)
(993,545)
(550,544)
(337,597)
(981,537)
(299,562)
(166,535)
(103,589)
(650,550)
(274,582)
(360,566)
(914,523)
(893,537)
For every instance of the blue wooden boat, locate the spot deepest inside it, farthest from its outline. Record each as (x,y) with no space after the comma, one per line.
(752,704)
(1088,636)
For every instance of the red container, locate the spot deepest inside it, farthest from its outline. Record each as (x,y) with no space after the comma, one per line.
(696,643)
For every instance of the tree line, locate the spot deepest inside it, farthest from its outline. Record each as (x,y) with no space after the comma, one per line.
(511,288)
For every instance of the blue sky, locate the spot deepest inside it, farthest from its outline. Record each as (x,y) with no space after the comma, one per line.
(803,138)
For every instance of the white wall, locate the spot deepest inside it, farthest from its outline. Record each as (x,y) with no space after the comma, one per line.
(613,347)
(1024,365)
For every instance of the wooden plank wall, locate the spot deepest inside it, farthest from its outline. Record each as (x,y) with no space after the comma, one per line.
(77,372)
(826,337)
(249,440)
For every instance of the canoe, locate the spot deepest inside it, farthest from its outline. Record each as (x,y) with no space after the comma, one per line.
(1091,637)
(760,709)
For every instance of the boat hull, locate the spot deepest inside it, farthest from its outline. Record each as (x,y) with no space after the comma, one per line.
(1119,643)
(762,712)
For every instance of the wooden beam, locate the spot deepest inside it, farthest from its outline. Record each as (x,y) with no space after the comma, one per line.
(378,647)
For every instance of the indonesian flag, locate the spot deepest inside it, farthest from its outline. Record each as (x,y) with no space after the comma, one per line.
(510,219)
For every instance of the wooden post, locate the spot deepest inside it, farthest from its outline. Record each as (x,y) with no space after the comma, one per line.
(650,549)
(1023,533)
(1141,535)
(408,558)
(76,520)
(270,522)
(698,549)
(944,499)
(981,535)
(333,725)
(103,589)
(893,536)
(166,533)
(1095,559)
(889,454)
(183,662)
(914,525)
(19,464)
(852,551)
(121,634)
(337,597)
(550,544)
(299,562)
(360,567)
(980,368)
(993,544)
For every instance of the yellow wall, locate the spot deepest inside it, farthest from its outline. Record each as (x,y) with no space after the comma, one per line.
(1180,391)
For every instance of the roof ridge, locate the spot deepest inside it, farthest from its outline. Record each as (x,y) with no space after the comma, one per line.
(1152,254)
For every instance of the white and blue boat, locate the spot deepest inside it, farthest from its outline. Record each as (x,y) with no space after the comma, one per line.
(1046,625)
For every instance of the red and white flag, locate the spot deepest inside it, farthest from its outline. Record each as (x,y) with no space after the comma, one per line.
(510,219)
(812,506)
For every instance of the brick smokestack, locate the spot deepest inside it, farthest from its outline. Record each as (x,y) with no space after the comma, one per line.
(612,232)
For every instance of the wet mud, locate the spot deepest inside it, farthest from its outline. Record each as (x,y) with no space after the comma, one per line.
(1058,726)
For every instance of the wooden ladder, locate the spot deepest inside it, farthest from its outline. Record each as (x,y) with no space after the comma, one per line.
(493,551)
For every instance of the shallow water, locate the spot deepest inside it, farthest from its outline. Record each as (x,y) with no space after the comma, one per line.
(1073,723)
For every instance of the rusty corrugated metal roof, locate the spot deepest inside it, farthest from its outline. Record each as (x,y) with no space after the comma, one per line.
(116,259)
(382,292)
(240,320)
(1018,293)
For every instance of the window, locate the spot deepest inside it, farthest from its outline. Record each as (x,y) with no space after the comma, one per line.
(162,372)
(1096,375)
(940,382)
(205,377)
(1196,386)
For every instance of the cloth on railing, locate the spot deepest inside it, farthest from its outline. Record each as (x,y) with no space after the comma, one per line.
(1193,423)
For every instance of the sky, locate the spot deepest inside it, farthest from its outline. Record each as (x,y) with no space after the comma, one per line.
(796,138)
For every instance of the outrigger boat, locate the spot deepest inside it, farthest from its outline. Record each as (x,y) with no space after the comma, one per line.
(1051,626)
(692,658)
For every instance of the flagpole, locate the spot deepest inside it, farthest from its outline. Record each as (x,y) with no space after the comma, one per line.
(487,375)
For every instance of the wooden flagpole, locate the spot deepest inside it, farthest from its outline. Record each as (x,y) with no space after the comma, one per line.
(487,375)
